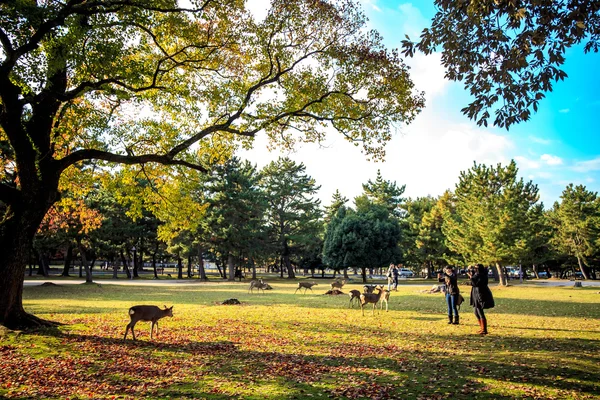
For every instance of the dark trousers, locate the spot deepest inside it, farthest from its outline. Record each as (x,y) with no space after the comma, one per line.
(479,312)
(451,300)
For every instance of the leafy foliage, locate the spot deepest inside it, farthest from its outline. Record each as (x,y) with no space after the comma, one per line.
(507,53)
(492,216)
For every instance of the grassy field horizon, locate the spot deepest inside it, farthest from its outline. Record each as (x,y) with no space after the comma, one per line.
(543,343)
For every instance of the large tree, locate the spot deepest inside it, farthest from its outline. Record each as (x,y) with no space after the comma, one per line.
(494,213)
(294,214)
(235,210)
(576,224)
(508,53)
(141,81)
(366,238)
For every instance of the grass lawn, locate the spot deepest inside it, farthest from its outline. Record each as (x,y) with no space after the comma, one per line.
(544,343)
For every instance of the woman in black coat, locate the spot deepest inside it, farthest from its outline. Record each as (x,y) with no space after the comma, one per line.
(452,292)
(481,295)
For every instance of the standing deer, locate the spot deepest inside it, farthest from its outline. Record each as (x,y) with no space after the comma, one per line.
(366,298)
(146,313)
(338,284)
(305,285)
(354,294)
(384,299)
(259,285)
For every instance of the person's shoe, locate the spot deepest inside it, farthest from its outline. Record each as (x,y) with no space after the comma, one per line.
(455,320)
(480,327)
(449,319)
(484,327)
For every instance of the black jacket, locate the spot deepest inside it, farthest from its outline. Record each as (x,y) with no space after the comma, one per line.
(481,295)
(451,282)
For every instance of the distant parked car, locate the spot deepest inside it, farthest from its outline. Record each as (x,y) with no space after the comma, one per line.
(405,273)
(542,274)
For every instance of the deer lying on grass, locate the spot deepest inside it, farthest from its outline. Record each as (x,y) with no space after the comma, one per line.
(146,313)
(385,296)
(354,294)
(338,284)
(305,285)
(366,298)
(259,285)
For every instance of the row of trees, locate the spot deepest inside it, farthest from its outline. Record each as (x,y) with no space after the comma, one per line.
(235,215)
(492,217)
(242,217)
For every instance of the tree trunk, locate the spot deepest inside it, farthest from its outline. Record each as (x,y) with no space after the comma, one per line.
(42,269)
(125,265)
(189,266)
(501,275)
(583,268)
(253,266)
(88,272)
(179,267)
(286,261)
(429,269)
(231,267)
(16,237)
(363,272)
(535,271)
(135,265)
(68,258)
(154,265)
(201,270)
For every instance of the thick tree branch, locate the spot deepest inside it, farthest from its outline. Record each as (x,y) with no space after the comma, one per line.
(9,195)
(93,154)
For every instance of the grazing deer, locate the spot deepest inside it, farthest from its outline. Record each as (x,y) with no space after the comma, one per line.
(366,298)
(259,285)
(338,284)
(305,285)
(146,313)
(354,294)
(384,299)
(369,288)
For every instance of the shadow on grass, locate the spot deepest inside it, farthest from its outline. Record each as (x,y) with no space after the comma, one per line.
(424,371)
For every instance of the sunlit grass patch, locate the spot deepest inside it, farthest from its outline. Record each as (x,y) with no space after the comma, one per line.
(543,343)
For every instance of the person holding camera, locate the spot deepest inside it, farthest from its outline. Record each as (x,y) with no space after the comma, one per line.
(450,278)
(481,295)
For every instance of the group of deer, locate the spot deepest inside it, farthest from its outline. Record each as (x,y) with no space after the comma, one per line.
(368,297)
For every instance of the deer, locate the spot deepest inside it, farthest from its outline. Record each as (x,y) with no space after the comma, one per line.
(369,288)
(259,285)
(354,294)
(146,313)
(384,299)
(366,298)
(337,284)
(305,285)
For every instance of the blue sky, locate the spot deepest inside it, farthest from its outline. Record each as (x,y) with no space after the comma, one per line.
(558,145)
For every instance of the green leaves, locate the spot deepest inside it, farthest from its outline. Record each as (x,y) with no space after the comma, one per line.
(513,50)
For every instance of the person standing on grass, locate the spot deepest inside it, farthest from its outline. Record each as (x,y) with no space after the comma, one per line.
(390,276)
(450,278)
(395,276)
(481,295)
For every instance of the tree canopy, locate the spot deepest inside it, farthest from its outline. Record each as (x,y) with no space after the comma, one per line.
(509,53)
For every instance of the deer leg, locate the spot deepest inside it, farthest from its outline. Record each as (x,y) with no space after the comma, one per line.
(126,330)
(132,331)
(373,311)
(156,328)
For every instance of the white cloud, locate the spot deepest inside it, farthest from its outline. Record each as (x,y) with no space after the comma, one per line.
(526,163)
(564,110)
(539,140)
(258,8)
(427,73)
(371,4)
(589,165)
(551,160)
